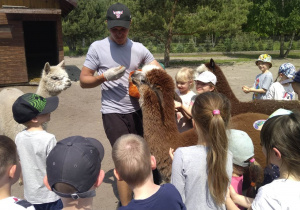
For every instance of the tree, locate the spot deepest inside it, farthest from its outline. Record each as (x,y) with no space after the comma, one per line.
(276,18)
(86,22)
(166,19)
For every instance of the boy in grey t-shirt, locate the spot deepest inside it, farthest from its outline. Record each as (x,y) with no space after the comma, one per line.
(262,81)
(33,145)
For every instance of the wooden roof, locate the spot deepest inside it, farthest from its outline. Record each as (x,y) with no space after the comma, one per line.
(66,6)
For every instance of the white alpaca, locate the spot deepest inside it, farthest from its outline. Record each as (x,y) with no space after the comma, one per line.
(54,80)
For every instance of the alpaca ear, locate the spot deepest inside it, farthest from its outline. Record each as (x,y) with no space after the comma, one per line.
(47,68)
(212,64)
(61,63)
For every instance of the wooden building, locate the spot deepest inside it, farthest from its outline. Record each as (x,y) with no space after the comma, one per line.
(30,36)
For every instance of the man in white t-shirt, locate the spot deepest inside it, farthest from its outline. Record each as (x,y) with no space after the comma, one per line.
(113,58)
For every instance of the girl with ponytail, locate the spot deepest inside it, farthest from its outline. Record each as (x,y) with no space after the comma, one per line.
(202,173)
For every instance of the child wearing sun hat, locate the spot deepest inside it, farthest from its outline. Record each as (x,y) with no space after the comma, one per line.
(283,90)
(263,80)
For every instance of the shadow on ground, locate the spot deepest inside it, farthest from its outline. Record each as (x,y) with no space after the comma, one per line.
(111,179)
(73,72)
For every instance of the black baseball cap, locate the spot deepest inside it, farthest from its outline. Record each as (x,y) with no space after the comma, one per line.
(30,105)
(118,15)
(76,161)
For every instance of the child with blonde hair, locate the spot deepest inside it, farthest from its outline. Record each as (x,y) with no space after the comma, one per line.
(205,81)
(184,83)
(283,90)
(280,140)
(202,173)
(262,81)
(134,165)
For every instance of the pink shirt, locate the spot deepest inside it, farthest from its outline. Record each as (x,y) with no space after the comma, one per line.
(237,184)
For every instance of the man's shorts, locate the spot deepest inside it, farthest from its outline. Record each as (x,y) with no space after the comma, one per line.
(116,125)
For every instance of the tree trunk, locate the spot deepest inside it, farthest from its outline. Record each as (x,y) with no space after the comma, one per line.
(281,55)
(169,37)
(167,51)
(290,45)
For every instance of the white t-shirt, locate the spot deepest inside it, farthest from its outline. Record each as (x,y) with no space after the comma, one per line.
(105,54)
(184,124)
(279,92)
(33,148)
(13,203)
(279,194)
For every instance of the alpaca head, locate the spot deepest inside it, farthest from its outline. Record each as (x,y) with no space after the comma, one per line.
(156,88)
(54,79)
(152,78)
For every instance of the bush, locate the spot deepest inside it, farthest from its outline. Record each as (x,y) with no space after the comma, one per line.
(227,44)
(179,48)
(220,47)
(207,44)
(245,45)
(260,46)
(253,46)
(269,45)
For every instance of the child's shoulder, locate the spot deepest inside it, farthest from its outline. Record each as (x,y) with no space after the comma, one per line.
(15,203)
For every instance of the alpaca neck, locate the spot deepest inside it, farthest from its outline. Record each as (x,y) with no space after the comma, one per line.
(166,125)
(42,91)
(224,87)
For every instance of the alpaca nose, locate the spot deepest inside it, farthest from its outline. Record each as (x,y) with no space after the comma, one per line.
(68,83)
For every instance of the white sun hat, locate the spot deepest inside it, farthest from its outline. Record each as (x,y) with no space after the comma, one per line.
(206,77)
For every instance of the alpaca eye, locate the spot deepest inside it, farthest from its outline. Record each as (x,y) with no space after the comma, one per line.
(54,78)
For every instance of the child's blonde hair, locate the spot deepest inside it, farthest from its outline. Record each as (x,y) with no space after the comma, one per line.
(132,159)
(8,154)
(211,113)
(185,74)
(283,133)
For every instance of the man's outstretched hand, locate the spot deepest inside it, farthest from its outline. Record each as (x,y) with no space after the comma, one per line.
(114,73)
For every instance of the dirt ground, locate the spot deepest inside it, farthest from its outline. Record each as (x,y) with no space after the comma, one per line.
(79,114)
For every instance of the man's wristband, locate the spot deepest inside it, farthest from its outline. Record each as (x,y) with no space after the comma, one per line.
(102,77)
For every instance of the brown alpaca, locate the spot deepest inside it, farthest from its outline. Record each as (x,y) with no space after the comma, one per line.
(244,114)
(157,90)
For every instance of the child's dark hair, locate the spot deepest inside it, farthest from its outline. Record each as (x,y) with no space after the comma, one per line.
(253,179)
(283,133)
(8,153)
(211,113)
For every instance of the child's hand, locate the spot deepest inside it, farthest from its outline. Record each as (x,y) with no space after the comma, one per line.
(171,153)
(177,105)
(246,89)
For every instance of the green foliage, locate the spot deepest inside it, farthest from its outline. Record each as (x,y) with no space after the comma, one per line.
(190,47)
(86,22)
(167,19)
(279,18)
(270,45)
(179,48)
